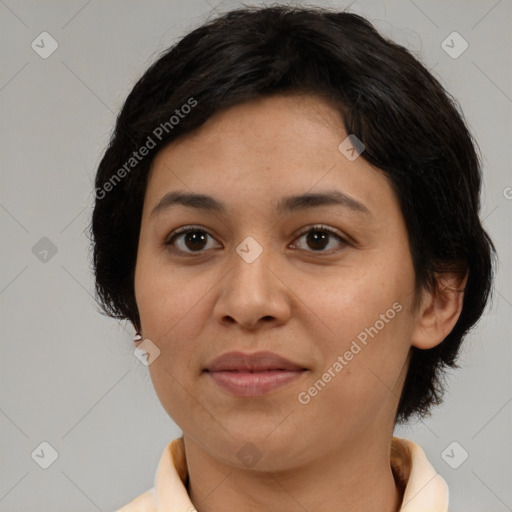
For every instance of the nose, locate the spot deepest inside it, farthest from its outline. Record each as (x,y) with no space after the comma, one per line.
(254,293)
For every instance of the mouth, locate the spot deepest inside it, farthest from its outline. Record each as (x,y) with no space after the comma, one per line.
(252,375)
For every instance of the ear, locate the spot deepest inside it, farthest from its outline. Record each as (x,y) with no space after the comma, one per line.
(439,310)
(137,338)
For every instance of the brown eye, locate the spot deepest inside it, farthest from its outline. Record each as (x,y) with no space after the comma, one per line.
(195,240)
(189,240)
(320,238)
(317,240)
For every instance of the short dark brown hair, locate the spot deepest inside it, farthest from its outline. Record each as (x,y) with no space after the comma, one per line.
(412,130)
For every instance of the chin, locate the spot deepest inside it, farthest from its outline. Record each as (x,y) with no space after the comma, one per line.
(264,448)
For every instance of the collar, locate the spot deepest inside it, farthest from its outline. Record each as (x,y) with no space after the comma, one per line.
(424,489)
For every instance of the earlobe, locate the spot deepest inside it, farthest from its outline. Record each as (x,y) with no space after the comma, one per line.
(439,310)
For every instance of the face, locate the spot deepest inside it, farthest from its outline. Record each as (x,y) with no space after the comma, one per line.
(324,281)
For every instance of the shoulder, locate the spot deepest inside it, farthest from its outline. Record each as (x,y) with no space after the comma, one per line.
(424,488)
(169,481)
(143,503)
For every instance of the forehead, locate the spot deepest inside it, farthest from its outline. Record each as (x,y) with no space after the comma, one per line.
(255,152)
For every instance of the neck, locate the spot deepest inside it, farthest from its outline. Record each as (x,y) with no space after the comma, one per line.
(353,478)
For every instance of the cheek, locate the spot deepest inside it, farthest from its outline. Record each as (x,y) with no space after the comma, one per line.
(167,296)
(368,323)
(352,300)
(175,307)
(172,311)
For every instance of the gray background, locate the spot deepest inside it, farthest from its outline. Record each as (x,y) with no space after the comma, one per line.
(68,374)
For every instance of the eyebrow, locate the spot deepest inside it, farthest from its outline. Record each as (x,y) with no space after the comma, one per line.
(285,205)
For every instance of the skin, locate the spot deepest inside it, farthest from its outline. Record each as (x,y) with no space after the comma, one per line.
(298,302)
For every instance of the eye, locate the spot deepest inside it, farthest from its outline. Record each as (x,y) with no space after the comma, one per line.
(189,239)
(319,237)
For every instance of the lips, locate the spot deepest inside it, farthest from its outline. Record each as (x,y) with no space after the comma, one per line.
(253,374)
(260,361)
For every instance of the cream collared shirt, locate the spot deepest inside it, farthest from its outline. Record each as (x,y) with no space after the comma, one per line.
(424,489)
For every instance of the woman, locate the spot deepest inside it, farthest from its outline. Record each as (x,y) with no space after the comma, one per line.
(287,213)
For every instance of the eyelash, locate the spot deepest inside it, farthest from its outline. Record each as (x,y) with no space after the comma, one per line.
(195,229)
